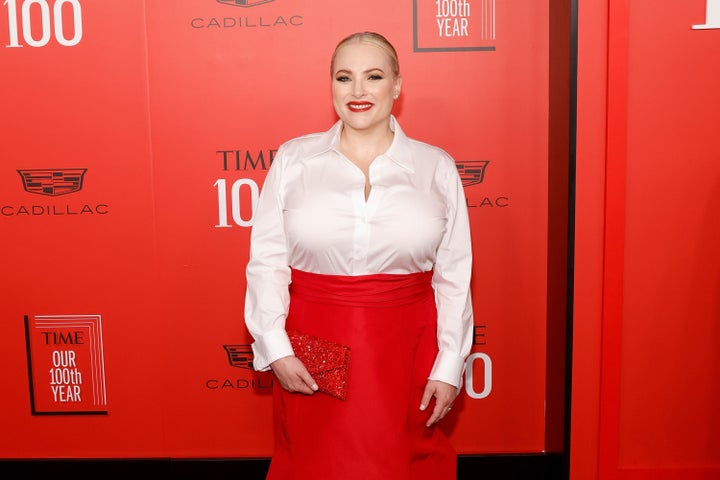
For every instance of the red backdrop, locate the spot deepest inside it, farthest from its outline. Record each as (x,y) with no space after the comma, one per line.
(136,136)
(646,350)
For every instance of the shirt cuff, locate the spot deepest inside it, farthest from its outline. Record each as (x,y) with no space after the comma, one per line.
(448,368)
(271,346)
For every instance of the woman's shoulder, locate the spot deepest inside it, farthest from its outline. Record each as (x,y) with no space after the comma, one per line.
(307,144)
(419,145)
(431,152)
(300,142)
(425,150)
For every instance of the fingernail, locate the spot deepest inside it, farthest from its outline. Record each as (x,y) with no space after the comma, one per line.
(422,407)
(314,387)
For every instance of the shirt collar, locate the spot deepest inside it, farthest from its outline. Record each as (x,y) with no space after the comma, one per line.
(398,152)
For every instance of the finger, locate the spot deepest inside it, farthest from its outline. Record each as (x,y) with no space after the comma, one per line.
(308,381)
(302,382)
(427,396)
(298,386)
(437,414)
(295,383)
(442,408)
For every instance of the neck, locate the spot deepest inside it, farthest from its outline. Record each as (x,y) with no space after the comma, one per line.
(373,141)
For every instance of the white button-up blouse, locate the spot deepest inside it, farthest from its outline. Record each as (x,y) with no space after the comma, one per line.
(312,215)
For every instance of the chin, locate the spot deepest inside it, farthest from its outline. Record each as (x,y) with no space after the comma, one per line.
(358,123)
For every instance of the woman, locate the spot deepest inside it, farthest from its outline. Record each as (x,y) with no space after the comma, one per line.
(361,237)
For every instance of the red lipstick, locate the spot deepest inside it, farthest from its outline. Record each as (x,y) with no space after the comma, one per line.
(359,106)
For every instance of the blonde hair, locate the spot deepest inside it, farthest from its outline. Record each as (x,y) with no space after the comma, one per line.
(371,38)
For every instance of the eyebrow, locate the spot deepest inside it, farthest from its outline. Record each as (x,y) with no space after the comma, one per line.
(376,69)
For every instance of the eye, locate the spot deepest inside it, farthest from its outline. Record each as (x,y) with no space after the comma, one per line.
(342,78)
(375,76)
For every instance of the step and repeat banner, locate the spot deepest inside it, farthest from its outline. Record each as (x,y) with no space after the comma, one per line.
(136,136)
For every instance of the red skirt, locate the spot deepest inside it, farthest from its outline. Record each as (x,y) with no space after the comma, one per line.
(378,432)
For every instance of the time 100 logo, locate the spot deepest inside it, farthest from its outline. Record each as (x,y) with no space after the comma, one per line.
(21,21)
(242,199)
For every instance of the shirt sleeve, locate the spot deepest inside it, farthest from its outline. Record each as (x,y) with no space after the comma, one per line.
(451,281)
(267,297)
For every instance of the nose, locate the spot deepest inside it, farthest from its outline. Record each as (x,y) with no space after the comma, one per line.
(358,89)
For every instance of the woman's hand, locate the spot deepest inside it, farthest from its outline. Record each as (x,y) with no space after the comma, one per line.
(293,376)
(444,394)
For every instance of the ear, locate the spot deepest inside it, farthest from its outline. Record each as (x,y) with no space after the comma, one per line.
(397,86)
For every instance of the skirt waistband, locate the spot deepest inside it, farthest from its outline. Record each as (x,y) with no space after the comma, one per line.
(378,290)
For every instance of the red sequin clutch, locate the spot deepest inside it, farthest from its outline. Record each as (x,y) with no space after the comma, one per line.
(328,362)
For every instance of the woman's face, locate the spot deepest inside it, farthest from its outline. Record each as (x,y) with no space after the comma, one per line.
(364,86)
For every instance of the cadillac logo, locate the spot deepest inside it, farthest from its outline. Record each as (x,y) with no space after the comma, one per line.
(52,182)
(240,356)
(472,172)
